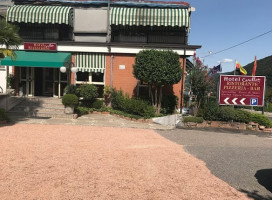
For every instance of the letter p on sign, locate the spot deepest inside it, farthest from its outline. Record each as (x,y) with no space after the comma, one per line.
(254,101)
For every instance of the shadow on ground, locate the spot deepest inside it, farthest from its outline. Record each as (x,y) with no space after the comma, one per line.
(264,177)
(255,195)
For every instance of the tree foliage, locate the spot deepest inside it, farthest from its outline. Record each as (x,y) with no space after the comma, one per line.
(200,82)
(157,68)
(9,37)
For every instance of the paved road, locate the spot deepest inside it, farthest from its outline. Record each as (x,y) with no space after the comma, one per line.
(242,160)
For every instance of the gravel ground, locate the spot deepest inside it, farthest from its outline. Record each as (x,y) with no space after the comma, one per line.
(44,162)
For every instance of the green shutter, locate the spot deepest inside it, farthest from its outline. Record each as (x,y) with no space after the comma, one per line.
(90,62)
(150,17)
(40,14)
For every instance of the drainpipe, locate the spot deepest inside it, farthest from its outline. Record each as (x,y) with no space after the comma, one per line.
(108,21)
(111,70)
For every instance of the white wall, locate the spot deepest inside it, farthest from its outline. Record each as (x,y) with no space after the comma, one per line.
(3,74)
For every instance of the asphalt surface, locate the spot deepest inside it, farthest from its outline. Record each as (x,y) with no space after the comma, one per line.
(242,159)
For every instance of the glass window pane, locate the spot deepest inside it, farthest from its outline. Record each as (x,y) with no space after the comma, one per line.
(83,76)
(97,77)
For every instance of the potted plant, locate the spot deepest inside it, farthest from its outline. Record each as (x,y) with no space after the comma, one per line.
(69,101)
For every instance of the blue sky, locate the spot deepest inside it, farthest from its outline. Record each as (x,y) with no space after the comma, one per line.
(219,24)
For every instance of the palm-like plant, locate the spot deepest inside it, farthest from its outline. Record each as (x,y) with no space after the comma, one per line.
(9,39)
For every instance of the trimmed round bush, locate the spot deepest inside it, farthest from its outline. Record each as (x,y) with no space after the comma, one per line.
(70,100)
(88,92)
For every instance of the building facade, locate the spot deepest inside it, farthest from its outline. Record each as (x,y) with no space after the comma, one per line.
(100,38)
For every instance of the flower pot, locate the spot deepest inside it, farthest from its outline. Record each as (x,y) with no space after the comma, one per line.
(69,110)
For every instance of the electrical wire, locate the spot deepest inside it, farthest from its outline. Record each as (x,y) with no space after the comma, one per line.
(238,44)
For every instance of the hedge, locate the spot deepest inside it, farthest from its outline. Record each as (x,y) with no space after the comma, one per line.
(193,119)
(132,106)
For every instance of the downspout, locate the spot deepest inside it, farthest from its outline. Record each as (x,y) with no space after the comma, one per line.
(108,41)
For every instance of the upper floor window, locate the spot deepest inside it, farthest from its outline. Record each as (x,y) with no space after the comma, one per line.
(57,32)
(148,34)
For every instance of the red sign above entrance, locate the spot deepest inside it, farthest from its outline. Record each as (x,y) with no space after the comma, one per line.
(40,46)
(241,90)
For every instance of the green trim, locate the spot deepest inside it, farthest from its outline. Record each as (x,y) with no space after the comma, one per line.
(38,59)
(90,62)
(150,17)
(40,14)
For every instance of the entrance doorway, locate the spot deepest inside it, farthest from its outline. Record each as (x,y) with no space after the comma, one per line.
(26,86)
(37,81)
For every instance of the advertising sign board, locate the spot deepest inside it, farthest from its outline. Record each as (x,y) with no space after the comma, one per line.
(40,46)
(242,90)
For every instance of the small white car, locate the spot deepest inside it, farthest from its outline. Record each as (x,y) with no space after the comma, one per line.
(185,111)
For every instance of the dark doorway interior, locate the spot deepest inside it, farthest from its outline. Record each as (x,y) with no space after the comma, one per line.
(38,82)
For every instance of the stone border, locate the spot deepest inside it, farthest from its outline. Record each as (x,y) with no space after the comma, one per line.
(228,125)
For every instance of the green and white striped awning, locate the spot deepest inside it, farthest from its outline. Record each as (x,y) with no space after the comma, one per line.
(40,14)
(150,17)
(90,62)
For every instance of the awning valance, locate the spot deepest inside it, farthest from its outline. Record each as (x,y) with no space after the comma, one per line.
(150,17)
(38,59)
(40,14)
(90,62)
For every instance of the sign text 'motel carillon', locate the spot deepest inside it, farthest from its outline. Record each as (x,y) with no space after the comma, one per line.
(40,46)
(241,90)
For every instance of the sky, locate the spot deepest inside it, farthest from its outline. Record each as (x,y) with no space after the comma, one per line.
(220,24)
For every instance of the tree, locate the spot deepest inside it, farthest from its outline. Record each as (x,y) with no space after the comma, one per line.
(200,82)
(9,38)
(157,69)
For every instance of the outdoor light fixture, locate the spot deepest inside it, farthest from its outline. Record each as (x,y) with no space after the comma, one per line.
(74,69)
(63,69)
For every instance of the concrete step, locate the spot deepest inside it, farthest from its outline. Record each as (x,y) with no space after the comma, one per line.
(16,115)
(40,107)
(37,109)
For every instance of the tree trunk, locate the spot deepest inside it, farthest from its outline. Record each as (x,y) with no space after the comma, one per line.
(151,94)
(156,99)
(159,100)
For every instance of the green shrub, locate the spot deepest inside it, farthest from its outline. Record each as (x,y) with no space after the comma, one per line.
(3,115)
(226,113)
(10,81)
(70,89)
(70,100)
(268,107)
(131,105)
(261,119)
(169,104)
(88,92)
(210,111)
(82,110)
(117,99)
(97,104)
(193,119)
(119,112)
(242,116)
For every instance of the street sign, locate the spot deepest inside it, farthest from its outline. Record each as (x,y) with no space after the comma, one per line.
(242,90)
